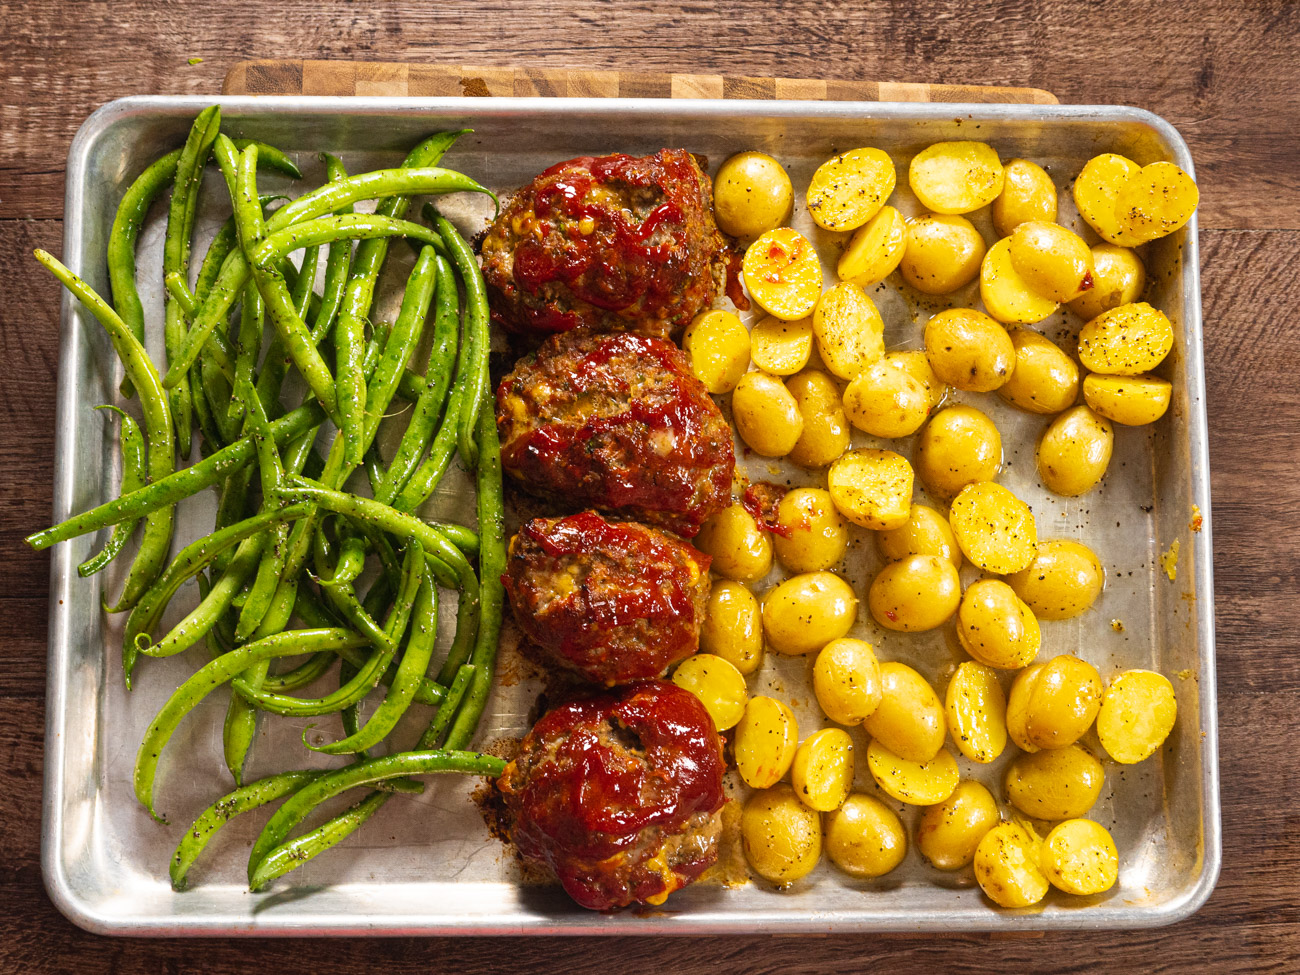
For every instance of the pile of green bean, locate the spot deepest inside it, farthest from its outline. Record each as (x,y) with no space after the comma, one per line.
(280,577)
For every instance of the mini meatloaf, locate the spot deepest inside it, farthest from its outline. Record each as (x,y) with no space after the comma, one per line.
(616,422)
(612,243)
(619,794)
(610,602)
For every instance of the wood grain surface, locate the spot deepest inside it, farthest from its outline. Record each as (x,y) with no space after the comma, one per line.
(1226,74)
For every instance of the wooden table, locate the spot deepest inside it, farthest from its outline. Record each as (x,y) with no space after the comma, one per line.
(1226,74)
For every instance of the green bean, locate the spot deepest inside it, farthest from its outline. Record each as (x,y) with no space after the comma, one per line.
(131,442)
(429,474)
(303,290)
(179,291)
(344,226)
(211,676)
(351,562)
(237,734)
(271,157)
(405,338)
(307,672)
(242,800)
(336,265)
(248,345)
(329,834)
(232,507)
(219,394)
(412,384)
(433,735)
(271,470)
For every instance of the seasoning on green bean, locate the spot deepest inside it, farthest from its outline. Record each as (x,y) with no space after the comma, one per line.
(433,735)
(429,474)
(131,441)
(271,157)
(337,264)
(292,855)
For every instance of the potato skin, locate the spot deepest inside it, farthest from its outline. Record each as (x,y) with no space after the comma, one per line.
(808,611)
(918,593)
(942,253)
(1054,784)
(865,838)
(752,194)
(782,837)
(1028,193)
(1074,452)
(740,550)
(1063,580)
(909,719)
(969,350)
(767,416)
(1044,380)
(826,432)
(959,446)
(949,832)
(810,534)
(733,626)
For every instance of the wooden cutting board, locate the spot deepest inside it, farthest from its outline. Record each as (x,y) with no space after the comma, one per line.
(283,77)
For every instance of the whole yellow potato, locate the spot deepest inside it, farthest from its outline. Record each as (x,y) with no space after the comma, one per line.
(1079,857)
(846,680)
(949,832)
(1074,452)
(1096,194)
(926,533)
(816,537)
(849,189)
(849,330)
(915,783)
(1126,341)
(1022,688)
(1156,201)
(909,719)
(751,195)
(733,626)
(1063,702)
(875,249)
(1137,713)
(1045,379)
(779,347)
(783,274)
(915,364)
(959,446)
(717,345)
(1130,400)
(865,838)
(808,611)
(766,739)
(1006,295)
(994,528)
(915,594)
(995,626)
(1028,193)
(718,685)
(956,177)
(969,350)
(942,253)
(767,416)
(739,548)
(825,427)
(1054,784)
(1062,581)
(886,402)
(1053,260)
(872,488)
(1119,277)
(977,712)
(822,773)
(1006,867)
(782,837)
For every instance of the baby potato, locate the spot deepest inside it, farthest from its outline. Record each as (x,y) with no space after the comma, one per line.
(817,536)
(949,832)
(977,712)
(1137,713)
(1045,379)
(926,533)
(969,350)
(825,427)
(782,837)
(779,347)
(740,549)
(915,594)
(849,189)
(956,177)
(875,249)
(849,330)
(872,488)
(1156,201)
(1007,295)
(846,680)
(915,783)
(995,627)
(808,611)
(1006,867)
(783,274)
(1056,784)
(916,365)
(1130,400)
(717,683)
(1028,193)
(1062,581)
(733,626)
(822,773)
(865,838)
(751,195)
(1119,277)
(767,416)
(909,718)
(1022,688)
(994,528)
(1053,260)
(886,402)
(1096,194)
(942,254)
(1063,702)
(959,446)
(717,345)
(1126,341)
(1074,452)
(766,739)
(1079,857)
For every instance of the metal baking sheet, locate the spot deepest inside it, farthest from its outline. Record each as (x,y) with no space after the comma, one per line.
(426,865)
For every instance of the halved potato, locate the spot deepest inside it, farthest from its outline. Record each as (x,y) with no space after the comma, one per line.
(1096,194)
(994,528)
(849,189)
(1156,201)
(872,488)
(956,177)
(1006,295)
(783,274)
(875,249)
